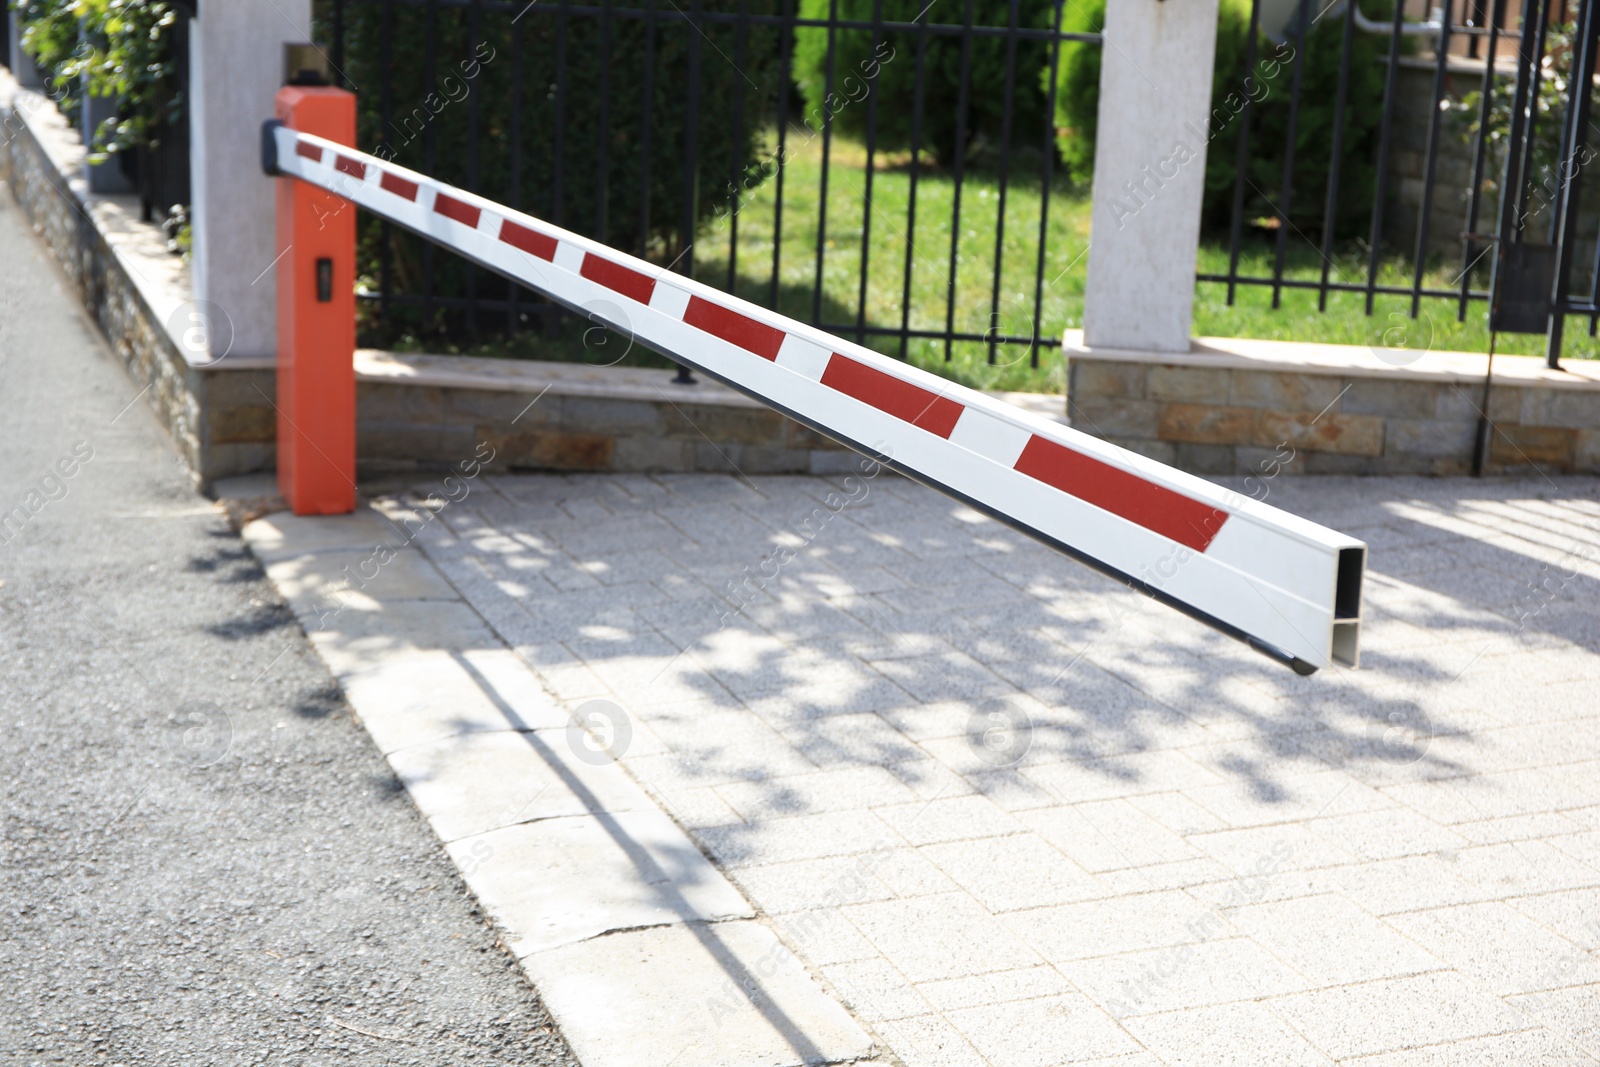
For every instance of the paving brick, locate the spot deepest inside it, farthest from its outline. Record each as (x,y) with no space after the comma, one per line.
(1529,1046)
(1374,1017)
(1119,925)
(930,1040)
(797,837)
(1500,947)
(1108,835)
(1044,1032)
(970,941)
(781,888)
(949,819)
(1573,1014)
(1019,871)
(1225,1034)
(1331,941)
(875,991)
(847,789)
(995,988)
(1193,975)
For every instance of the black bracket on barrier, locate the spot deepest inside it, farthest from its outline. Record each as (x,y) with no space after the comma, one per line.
(269,147)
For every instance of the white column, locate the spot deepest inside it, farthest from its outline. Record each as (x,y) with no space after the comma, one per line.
(236,68)
(1149,173)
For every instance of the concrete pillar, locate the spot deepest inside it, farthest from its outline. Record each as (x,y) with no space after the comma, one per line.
(236,69)
(1149,173)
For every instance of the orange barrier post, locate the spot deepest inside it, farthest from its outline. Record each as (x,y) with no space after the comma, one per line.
(316,319)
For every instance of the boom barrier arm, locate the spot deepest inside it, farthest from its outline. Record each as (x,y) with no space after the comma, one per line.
(1288,587)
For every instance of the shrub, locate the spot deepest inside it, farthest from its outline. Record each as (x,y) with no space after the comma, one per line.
(124,50)
(443,72)
(891,76)
(1270,84)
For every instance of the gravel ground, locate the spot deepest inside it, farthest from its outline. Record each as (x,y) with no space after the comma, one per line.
(202,857)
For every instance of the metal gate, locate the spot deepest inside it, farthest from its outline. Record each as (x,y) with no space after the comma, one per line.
(1484,170)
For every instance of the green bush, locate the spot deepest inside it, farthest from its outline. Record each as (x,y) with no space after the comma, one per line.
(890,75)
(442,70)
(1269,85)
(124,50)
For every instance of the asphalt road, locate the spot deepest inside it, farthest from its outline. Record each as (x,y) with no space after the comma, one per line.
(202,857)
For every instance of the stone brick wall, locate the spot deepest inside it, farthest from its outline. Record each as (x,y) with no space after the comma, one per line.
(420,411)
(1227,414)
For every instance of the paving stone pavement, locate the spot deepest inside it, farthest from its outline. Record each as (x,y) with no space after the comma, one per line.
(1010,813)
(1199,858)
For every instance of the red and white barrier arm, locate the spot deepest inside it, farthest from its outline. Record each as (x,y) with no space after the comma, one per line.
(1288,587)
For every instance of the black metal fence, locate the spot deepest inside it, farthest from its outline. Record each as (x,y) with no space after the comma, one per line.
(1437,135)
(880,168)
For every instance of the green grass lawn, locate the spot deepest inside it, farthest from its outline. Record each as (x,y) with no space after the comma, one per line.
(875,215)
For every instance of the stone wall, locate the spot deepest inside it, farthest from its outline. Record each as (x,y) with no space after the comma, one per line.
(1237,407)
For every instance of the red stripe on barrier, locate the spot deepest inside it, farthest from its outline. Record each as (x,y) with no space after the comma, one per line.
(393,183)
(530,241)
(734,328)
(353,167)
(1155,507)
(920,407)
(619,279)
(451,208)
(310,151)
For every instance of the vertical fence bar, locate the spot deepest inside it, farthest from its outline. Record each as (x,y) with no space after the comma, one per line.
(1005,174)
(1575,148)
(827,152)
(1530,129)
(917,108)
(647,121)
(385,117)
(739,49)
(338,41)
(691,147)
(1045,189)
(603,130)
(1330,210)
(866,196)
(786,49)
(1479,154)
(1385,131)
(1430,168)
(559,151)
(430,165)
(475,32)
(514,193)
(1286,194)
(962,103)
(1241,158)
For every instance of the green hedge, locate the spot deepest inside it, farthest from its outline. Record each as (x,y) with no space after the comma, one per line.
(125,51)
(890,75)
(471,79)
(1269,84)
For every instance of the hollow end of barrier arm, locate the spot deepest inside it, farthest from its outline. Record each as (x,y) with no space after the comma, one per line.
(316,314)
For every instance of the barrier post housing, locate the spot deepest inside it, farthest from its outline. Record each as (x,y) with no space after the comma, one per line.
(316,319)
